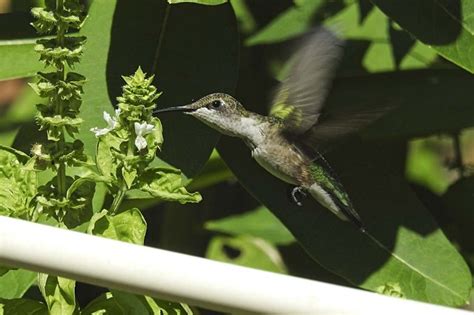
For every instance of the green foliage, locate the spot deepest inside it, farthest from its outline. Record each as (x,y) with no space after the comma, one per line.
(22,306)
(453,40)
(425,164)
(58,294)
(18,59)
(211,64)
(127,147)
(17,185)
(290,23)
(127,226)
(15,282)
(121,303)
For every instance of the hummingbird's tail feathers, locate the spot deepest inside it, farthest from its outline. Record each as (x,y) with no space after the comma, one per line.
(350,214)
(328,191)
(337,202)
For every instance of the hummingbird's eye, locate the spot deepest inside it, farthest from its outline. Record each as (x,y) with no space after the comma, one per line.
(216,104)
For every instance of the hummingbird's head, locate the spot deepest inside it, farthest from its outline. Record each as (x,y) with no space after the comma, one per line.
(218,110)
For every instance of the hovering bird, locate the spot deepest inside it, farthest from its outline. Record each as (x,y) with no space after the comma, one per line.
(286,142)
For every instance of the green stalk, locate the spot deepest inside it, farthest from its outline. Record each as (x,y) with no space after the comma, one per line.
(118,198)
(61,177)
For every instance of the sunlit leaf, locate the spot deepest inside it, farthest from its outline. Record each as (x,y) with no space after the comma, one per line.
(257,223)
(59,294)
(446,26)
(127,226)
(246,251)
(15,282)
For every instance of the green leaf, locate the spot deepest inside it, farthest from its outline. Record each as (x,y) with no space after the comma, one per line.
(22,306)
(11,51)
(129,176)
(372,39)
(17,185)
(289,24)
(246,251)
(215,171)
(58,293)
(20,155)
(425,165)
(206,2)
(257,223)
(127,226)
(21,111)
(85,178)
(105,163)
(121,303)
(446,26)
(15,282)
(166,184)
(160,306)
(405,245)
(103,304)
(172,52)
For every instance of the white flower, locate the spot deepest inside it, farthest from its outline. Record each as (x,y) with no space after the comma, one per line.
(111,124)
(142,130)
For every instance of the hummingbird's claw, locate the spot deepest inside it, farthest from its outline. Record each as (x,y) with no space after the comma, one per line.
(298,190)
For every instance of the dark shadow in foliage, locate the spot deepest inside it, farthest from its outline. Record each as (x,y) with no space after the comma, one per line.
(193,50)
(354,53)
(402,43)
(328,9)
(16,25)
(231,252)
(365,7)
(299,264)
(458,201)
(432,22)
(27,136)
(264,14)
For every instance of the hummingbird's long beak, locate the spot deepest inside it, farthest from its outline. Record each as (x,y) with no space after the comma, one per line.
(184,108)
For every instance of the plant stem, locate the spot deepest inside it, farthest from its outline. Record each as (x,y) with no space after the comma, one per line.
(118,198)
(61,71)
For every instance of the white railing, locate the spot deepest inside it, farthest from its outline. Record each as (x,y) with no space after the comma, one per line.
(185,278)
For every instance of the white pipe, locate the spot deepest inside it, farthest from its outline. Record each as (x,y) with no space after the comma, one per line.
(185,278)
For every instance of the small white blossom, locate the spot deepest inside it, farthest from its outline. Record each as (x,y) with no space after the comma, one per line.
(111,124)
(142,130)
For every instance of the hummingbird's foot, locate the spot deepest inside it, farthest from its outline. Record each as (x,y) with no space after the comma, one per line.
(297,194)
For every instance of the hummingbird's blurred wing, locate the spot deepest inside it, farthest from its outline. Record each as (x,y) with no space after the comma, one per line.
(299,98)
(345,120)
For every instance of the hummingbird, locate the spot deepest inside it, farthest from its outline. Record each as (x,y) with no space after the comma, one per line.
(286,143)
